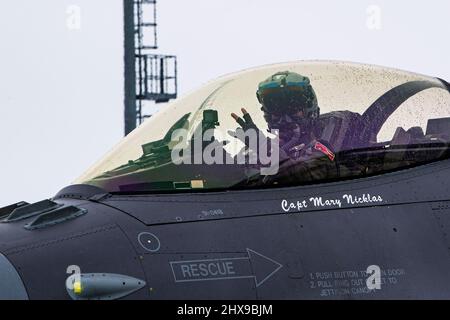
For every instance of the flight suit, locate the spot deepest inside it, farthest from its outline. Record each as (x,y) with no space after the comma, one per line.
(311,156)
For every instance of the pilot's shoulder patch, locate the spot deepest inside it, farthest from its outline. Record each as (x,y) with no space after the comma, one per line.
(325,150)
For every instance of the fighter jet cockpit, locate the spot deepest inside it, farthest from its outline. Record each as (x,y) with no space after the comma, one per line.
(283,125)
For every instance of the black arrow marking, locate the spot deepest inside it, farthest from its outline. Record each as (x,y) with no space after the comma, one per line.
(255,265)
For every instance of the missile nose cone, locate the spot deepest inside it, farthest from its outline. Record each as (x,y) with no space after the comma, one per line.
(101,286)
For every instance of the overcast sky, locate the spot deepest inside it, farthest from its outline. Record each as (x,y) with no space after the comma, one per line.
(61,87)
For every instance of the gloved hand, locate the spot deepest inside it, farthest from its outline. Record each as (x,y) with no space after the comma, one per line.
(245,124)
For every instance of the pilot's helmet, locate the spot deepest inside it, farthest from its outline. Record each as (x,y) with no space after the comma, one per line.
(287,93)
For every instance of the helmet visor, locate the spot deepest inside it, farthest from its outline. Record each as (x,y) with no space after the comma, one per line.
(284,101)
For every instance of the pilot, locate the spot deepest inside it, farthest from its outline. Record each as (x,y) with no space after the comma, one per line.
(290,106)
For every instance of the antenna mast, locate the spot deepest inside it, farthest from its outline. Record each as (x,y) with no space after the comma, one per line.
(148,76)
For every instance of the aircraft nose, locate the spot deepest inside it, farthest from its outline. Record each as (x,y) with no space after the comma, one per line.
(11,285)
